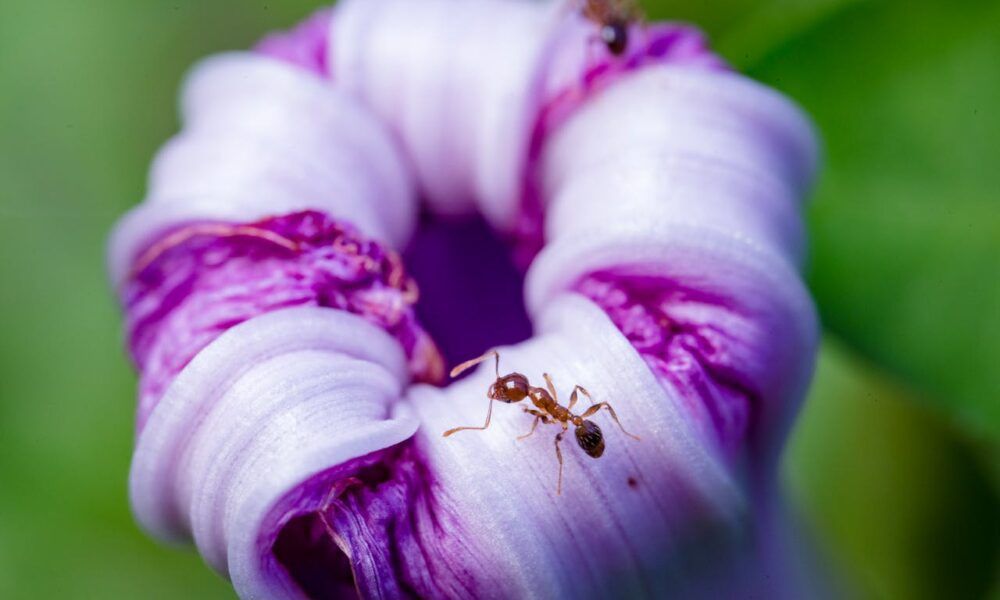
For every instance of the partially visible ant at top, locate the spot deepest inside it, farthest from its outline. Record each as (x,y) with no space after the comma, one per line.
(613,17)
(514,387)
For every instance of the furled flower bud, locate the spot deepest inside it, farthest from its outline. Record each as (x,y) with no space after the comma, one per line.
(654,195)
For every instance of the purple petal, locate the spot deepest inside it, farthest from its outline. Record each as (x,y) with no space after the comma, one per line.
(204,278)
(305,46)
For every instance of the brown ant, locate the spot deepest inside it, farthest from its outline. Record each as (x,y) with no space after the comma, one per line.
(515,387)
(613,17)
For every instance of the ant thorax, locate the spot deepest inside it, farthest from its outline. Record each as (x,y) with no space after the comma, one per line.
(541,399)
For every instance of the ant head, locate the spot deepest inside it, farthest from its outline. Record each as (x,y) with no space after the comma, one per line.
(590,438)
(614,34)
(510,388)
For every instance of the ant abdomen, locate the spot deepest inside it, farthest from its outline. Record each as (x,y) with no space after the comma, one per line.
(615,36)
(590,438)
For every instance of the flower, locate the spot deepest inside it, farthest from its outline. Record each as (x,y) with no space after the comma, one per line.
(274,326)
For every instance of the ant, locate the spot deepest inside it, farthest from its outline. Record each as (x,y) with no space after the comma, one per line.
(515,387)
(613,17)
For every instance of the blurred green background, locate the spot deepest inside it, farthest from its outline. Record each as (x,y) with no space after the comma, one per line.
(894,467)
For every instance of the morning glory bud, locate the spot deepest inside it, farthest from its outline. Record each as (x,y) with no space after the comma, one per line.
(292,405)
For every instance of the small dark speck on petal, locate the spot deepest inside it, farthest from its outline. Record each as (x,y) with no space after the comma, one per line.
(633,482)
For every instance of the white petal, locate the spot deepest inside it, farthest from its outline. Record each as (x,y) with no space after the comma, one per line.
(463,116)
(161,497)
(600,524)
(677,145)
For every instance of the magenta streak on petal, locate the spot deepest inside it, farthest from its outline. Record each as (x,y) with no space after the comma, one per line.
(305,45)
(187,293)
(694,357)
(662,43)
(373,523)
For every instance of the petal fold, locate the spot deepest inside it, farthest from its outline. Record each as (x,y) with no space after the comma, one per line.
(688,200)
(264,138)
(269,404)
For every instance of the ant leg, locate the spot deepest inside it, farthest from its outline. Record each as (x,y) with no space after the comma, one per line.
(475,361)
(489,415)
(559,437)
(534,425)
(552,388)
(573,397)
(593,409)
(539,416)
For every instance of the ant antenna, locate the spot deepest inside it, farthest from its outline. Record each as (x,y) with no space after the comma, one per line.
(475,361)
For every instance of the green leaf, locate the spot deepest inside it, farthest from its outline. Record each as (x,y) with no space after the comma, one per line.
(88,93)
(902,506)
(906,220)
